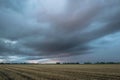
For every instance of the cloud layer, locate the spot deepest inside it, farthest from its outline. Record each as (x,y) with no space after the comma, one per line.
(45,29)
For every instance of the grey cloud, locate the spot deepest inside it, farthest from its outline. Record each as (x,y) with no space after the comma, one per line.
(15,5)
(60,34)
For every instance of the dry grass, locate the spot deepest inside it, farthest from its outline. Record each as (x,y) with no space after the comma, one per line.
(60,72)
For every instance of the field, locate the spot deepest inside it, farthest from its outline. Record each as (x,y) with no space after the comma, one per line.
(60,72)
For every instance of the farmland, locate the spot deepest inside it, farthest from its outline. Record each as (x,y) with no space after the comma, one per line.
(60,72)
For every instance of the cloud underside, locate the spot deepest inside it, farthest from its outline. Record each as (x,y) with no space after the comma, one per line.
(30,28)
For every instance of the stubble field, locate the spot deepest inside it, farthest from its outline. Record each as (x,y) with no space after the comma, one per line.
(60,72)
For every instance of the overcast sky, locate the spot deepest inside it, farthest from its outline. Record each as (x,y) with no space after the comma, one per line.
(59,30)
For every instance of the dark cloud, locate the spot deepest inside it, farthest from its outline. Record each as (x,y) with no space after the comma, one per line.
(29,30)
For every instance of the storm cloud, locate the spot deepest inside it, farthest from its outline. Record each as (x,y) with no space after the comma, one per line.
(43,29)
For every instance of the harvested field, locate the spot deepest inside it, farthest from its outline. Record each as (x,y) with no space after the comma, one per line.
(60,72)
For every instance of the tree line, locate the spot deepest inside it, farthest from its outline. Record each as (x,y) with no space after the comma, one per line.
(69,63)
(88,63)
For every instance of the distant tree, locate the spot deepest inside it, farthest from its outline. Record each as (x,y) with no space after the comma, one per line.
(71,63)
(57,62)
(106,63)
(77,63)
(2,63)
(111,63)
(87,63)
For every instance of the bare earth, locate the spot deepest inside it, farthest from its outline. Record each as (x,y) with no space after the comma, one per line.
(60,72)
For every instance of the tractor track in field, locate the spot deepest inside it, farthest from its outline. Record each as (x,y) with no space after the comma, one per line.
(20,74)
(42,74)
(74,73)
(5,76)
(55,72)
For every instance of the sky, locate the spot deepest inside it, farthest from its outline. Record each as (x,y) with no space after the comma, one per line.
(49,31)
